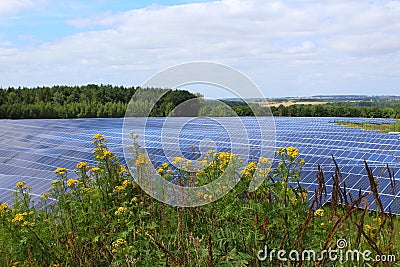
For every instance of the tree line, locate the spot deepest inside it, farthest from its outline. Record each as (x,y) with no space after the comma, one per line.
(89,101)
(337,110)
(108,101)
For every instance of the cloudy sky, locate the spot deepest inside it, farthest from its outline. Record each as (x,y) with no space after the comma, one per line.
(288,48)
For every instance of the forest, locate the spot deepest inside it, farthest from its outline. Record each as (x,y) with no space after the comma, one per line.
(89,101)
(108,101)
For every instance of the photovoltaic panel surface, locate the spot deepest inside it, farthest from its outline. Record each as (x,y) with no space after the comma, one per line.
(30,150)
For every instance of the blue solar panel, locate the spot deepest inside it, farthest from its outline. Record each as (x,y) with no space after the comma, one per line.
(32,149)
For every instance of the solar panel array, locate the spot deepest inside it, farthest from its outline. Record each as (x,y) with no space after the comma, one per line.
(30,150)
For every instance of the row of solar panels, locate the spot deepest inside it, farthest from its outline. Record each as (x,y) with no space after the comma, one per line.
(31,149)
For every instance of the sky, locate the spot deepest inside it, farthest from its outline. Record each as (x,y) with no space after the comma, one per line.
(288,48)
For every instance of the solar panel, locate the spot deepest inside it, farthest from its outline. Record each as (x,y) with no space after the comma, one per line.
(31,149)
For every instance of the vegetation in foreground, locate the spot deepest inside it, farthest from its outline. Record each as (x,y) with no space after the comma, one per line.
(99,216)
(384,128)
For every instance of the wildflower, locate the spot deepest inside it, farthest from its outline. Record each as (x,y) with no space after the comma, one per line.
(301,161)
(264,161)
(199,194)
(125,183)
(122,170)
(177,160)
(20,184)
(369,227)
(54,183)
(18,217)
(121,211)
(378,221)
(118,188)
(4,208)
(141,160)
(293,200)
(81,165)
(60,171)
(71,182)
(165,165)
(281,151)
(292,152)
(119,242)
(134,200)
(160,171)
(98,137)
(94,169)
(319,212)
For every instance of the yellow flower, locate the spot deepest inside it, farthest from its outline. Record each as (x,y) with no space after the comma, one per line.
(121,211)
(378,221)
(71,182)
(18,217)
(54,183)
(20,184)
(301,161)
(160,171)
(98,137)
(81,165)
(369,227)
(264,161)
(60,171)
(177,160)
(125,183)
(165,165)
(119,242)
(141,160)
(292,152)
(122,170)
(199,194)
(281,151)
(4,208)
(319,212)
(94,169)
(118,188)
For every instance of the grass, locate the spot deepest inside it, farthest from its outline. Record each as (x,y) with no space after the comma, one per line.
(384,128)
(101,217)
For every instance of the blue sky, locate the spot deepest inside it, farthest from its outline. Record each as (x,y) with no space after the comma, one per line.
(288,48)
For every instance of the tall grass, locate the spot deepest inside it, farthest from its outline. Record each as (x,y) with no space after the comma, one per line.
(103,218)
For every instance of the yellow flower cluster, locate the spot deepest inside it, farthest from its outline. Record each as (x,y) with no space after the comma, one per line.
(165,165)
(122,170)
(81,165)
(94,169)
(121,211)
(18,218)
(250,168)
(20,184)
(3,208)
(122,187)
(72,181)
(119,243)
(60,171)
(265,161)
(98,137)
(292,152)
(369,228)
(141,160)
(319,212)
(177,160)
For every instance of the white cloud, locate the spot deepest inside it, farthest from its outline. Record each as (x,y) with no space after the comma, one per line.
(9,7)
(278,43)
